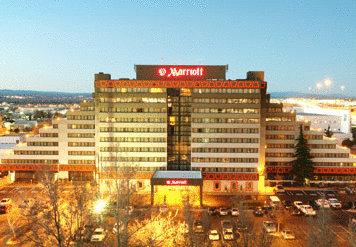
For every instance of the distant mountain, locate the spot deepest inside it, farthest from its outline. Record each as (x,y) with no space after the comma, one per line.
(42,93)
(290,94)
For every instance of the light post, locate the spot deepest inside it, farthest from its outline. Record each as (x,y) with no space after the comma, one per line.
(99,208)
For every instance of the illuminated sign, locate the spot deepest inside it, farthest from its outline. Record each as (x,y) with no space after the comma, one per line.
(176,72)
(176,182)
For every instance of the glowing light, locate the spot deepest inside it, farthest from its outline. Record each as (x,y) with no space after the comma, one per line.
(260,170)
(342,88)
(100,206)
(175,195)
(327,82)
(319,86)
(176,182)
(180,72)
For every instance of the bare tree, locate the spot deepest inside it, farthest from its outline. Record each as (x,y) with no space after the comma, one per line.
(264,239)
(352,229)
(14,220)
(245,223)
(58,217)
(159,230)
(320,233)
(189,218)
(121,190)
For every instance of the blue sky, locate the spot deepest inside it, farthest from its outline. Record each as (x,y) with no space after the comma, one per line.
(59,45)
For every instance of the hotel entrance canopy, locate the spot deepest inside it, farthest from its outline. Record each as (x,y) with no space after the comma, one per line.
(176,179)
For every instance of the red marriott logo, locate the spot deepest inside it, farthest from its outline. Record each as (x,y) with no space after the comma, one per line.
(176,182)
(174,72)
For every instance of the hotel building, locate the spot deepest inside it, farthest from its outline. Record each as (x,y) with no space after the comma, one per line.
(176,120)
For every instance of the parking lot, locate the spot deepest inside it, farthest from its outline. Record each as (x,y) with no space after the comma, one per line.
(17,193)
(284,219)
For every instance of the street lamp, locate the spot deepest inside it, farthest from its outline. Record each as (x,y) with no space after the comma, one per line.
(100,206)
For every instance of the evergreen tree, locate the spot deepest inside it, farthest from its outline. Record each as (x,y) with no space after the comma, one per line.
(302,165)
(328,132)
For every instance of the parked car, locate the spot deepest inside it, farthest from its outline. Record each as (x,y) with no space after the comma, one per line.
(235,212)
(240,226)
(98,235)
(287,234)
(214,235)
(198,227)
(258,212)
(212,211)
(279,189)
(5,201)
(269,226)
(297,204)
(335,203)
(5,205)
(307,210)
(226,224)
(267,208)
(228,234)
(323,203)
(287,204)
(223,211)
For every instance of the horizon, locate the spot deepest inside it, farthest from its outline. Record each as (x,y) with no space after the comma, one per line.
(301,94)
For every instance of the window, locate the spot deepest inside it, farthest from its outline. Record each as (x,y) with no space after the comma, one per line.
(216,185)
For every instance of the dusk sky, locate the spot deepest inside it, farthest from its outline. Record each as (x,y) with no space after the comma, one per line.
(59,45)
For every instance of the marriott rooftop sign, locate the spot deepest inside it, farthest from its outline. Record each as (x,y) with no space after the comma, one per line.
(180,72)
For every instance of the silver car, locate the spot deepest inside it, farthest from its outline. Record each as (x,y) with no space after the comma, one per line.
(269,226)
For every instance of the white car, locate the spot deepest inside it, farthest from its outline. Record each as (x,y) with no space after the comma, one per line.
(269,226)
(214,235)
(228,234)
(307,210)
(226,224)
(223,211)
(334,203)
(5,202)
(323,203)
(287,235)
(98,235)
(235,212)
(298,204)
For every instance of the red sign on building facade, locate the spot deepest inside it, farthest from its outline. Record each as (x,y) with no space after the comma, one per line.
(180,72)
(176,182)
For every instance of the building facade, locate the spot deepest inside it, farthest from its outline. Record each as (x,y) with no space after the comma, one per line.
(178,118)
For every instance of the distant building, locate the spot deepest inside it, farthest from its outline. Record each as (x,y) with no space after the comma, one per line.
(2,127)
(23,125)
(321,118)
